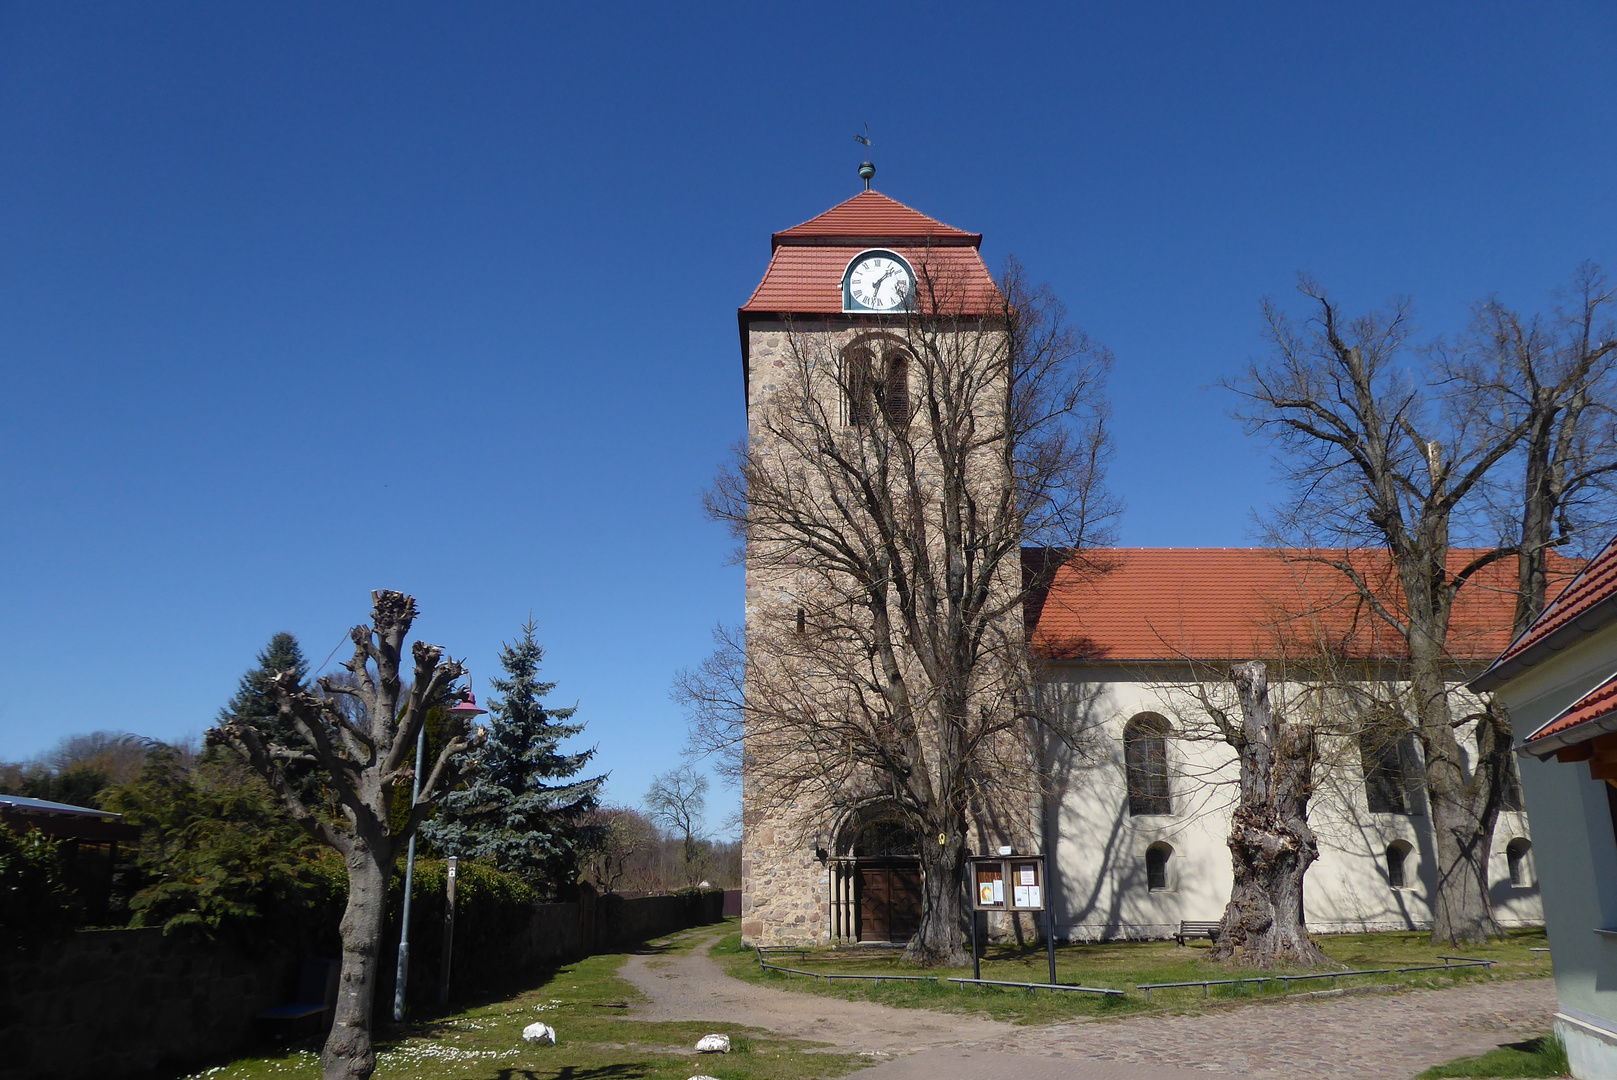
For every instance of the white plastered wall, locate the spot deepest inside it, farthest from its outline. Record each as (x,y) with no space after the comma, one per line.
(1100,849)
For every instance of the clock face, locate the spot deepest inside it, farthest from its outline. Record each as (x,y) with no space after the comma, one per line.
(878,281)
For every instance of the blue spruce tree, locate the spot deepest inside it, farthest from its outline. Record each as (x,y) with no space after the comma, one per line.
(521,809)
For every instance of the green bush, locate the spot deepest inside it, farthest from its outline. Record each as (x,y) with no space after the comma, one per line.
(218,854)
(491,909)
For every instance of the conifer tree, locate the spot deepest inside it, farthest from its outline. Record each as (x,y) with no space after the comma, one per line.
(253,705)
(521,809)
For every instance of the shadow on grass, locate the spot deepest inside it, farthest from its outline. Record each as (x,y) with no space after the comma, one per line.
(570,1072)
(1544,1056)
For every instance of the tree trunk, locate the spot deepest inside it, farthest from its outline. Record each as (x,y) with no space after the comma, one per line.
(349,1053)
(941,939)
(1270,842)
(1463,815)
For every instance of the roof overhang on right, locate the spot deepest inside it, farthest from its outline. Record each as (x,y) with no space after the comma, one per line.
(1586,729)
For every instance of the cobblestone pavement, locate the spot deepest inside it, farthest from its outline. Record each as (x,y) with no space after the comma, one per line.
(1351,1037)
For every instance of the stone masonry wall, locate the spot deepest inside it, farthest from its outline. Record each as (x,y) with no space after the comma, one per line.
(785,889)
(781,882)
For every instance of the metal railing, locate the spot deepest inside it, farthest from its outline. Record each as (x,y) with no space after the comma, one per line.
(1449,963)
(830,976)
(1030,987)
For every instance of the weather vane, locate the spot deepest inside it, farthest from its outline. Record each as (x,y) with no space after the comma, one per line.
(866,169)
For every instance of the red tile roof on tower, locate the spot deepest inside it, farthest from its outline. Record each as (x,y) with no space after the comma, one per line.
(1140,604)
(871,217)
(1588,603)
(805,270)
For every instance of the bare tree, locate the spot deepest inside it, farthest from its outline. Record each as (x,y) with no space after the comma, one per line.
(364,765)
(617,834)
(714,699)
(1379,465)
(885,493)
(676,800)
(1554,378)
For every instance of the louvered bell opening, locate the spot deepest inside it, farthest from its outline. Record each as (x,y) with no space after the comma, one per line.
(859,387)
(896,388)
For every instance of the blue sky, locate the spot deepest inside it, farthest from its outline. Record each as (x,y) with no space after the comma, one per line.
(300,300)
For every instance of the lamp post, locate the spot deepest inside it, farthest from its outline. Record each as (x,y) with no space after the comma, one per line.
(463,713)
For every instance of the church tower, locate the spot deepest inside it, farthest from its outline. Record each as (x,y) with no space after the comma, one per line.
(866,499)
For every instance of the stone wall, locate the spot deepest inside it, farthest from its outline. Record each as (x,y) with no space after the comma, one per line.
(784,898)
(106,1003)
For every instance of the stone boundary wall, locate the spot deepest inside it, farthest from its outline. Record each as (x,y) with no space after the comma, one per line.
(112,1003)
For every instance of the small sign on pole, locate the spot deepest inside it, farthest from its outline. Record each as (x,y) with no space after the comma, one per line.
(449,930)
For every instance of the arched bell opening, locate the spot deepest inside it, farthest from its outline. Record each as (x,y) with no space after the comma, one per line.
(875,878)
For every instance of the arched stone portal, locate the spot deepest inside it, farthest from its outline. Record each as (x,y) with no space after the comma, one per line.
(875,879)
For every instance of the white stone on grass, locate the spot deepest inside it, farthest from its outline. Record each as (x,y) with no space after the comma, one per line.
(542,1034)
(703,1076)
(713,1044)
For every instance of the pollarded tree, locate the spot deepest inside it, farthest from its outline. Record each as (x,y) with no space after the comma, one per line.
(522,809)
(362,765)
(886,490)
(1271,845)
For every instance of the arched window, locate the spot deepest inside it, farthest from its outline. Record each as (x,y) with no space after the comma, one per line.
(1397,864)
(876,382)
(1385,777)
(1156,867)
(1145,761)
(1516,857)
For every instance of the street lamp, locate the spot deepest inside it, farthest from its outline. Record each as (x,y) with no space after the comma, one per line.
(462,714)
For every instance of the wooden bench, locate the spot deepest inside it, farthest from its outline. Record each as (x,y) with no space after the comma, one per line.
(1193,929)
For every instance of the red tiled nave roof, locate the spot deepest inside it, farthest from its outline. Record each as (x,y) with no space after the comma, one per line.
(1136,604)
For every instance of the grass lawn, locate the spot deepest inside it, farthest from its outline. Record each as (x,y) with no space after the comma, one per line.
(1123,966)
(587,1004)
(1544,1056)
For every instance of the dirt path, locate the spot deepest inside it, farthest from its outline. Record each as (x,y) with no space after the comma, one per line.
(1353,1037)
(690,986)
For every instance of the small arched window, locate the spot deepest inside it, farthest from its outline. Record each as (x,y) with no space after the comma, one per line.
(876,382)
(1516,857)
(1145,763)
(1398,864)
(1156,867)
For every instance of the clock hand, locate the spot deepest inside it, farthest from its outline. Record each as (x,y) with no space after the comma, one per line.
(875,290)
